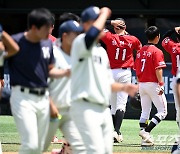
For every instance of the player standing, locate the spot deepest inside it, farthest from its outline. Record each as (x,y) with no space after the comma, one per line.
(91,84)
(29,70)
(148,64)
(51,37)
(120,47)
(176,147)
(60,88)
(172,48)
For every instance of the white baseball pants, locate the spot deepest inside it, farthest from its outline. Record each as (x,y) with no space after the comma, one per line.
(69,130)
(94,123)
(31,115)
(148,93)
(118,100)
(174,80)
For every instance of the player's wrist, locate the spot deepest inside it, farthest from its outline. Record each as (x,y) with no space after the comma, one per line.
(161,83)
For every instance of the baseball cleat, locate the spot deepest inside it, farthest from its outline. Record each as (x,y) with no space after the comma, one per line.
(144,143)
(55,140)
(117,138)
(56,151)
(146,136)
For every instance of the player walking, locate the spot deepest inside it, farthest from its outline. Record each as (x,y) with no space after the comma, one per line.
(120,47)
(91,84)
(172,48)
(29,70)
(148,64)
(60,88)
(176,146)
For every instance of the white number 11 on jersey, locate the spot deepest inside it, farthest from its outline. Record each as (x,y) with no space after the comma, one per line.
(118,52)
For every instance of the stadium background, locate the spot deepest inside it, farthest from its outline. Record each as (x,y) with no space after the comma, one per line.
(139,14)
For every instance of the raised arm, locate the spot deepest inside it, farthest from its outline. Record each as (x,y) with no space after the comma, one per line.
(98,25)
(11,46)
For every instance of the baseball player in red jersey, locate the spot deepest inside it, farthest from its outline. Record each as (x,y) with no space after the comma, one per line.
(120,47)
(176,146)
(149,64)
(51,37)
(172,48)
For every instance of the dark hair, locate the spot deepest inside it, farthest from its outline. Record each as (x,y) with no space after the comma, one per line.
(120,19)
(68,16)
(52,18)
(178,36)
(39,17)
(123,25)
(152,32)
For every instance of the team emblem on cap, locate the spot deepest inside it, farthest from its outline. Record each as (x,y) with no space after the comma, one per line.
(76,23)
(96,10)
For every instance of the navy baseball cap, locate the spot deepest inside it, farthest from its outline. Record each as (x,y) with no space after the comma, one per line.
(91,13)
(69,26)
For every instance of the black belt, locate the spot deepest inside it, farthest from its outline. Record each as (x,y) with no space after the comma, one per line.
(38,92)
(124,68)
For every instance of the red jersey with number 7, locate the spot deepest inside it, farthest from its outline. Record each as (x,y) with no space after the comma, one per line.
(120,49)
(148,59)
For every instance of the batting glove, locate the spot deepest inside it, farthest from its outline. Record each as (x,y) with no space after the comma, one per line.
(160,88)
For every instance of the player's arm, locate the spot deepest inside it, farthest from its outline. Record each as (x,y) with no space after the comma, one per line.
(58,73)
(168,33)
(159,75)
(131,89)
(53,109)
(178,91)
(94,32)
(138,45)
(171,31)
(11,46)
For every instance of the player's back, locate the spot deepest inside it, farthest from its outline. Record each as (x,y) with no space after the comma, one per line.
(90,76)
(173,49)
(120,49)
(148,59)
(59,88)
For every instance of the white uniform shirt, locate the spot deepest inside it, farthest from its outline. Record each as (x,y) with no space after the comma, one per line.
(91,77)
(59,89)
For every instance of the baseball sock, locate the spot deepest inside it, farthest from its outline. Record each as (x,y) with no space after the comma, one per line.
(119,118)
(155,120)
(143,123)
(113,119)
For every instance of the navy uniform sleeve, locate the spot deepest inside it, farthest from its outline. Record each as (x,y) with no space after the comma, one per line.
(91,36)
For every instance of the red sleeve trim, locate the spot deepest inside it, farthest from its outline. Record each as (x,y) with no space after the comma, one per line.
(162,66)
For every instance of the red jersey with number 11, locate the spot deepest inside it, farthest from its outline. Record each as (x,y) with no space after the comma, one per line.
(148,59)
(173,49)
(120,49)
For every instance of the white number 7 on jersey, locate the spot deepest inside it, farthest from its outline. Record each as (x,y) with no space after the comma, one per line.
(143,64)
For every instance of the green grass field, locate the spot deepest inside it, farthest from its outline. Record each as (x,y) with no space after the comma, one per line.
(164,135)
